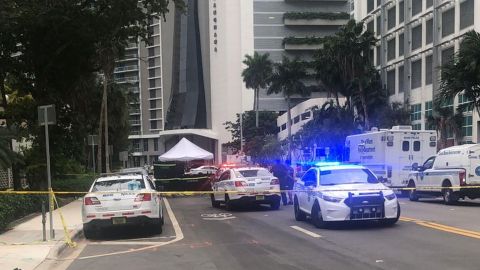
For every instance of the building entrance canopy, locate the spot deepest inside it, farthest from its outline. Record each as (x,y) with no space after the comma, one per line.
(185,150)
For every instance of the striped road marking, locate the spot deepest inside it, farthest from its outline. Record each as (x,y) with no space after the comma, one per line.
(307,232)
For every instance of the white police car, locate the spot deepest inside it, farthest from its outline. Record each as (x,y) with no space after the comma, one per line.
(334,192)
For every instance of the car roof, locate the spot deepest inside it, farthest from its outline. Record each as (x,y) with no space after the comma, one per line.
(119,177)
(249,168)
(340,167)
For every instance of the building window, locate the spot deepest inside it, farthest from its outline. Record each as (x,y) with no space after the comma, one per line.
(153,93)
(378,31)
(401,11)
(401,79)
(429,31)
(428,69)
(370,26)
(145,145)
(416,37)
(153,125)
(416,7)
(153,114)
(416,112)
(467,125)
(378,50)
(151,83)
(136,145)
(296,119)
(448,22)
(391,82)
(153,104)
(464,103)
(151,62)
(401,40)
(391,49)
(417,126)
(429,115)
(155,145)
(151,52)
(467,13)
(152,73)
(284,126)
(416,74)
(447,55)
(392,17)
(370,5)
(429,3)
(305,115)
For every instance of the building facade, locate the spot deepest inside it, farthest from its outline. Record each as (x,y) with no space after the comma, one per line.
(187,80)
(415,38)
(294,29)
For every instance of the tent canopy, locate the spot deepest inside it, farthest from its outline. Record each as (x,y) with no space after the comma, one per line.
(185,150)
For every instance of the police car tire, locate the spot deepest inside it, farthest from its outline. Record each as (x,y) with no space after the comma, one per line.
(215,203)
(89,233)
(275,204)
(157,227)
(412,194)
(449,197)
(299,214)
(228,203)
(317,218)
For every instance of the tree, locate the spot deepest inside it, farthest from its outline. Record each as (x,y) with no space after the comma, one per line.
(463,73)
(257,75)
(7,156)
(446,122)
(287,78)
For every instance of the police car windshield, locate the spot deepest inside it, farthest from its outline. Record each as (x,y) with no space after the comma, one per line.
(252,173)
(346,176)
(119,185)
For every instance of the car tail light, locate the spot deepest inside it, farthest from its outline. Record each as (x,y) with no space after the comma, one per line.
(241,184)
(143,197)
(274,181)
(461,176)
(91,201)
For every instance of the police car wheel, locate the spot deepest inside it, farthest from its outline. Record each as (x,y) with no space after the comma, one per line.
(275,204)
(299,214)
(90,233)
(317,218)
(228,203)
(215,203)
(449,197)
(412,193)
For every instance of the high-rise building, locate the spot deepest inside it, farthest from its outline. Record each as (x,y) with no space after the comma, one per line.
(188,80)
(294,29)
(415,38)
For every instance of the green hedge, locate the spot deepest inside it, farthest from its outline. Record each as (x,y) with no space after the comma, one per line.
(14,206)
(80,183)
(316,15)
(303,40)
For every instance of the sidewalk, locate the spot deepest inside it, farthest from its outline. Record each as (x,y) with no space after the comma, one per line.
(22,246)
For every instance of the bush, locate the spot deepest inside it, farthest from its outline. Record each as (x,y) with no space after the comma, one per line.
(80,183)
(14,206)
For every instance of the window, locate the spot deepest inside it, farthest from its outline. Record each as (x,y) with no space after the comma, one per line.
(428,108)
(416,37)
(225,176)
(416,146)
(447,55)
(152,72)
(151,62)
(370,26)
(405,146)
(392,17)
(467,125)
(401,40)
(448,22)
(153,93)
(151,83)
(155,145)
(429,3)
(378,50)
(401,11)
(416,7)
(416,74)
(153,104)
(305,115)
(467,12)
(391,82)
(153,114)
(401,79)
(417,126)
(464,103)
(429,163)
(145,145)
(391,49)
(416,112)
(136,145)
(284,126)
(379,26)
(370,5)
(428,69)
(346,176)
(151,52)
(296,119)
(153,125)
(310,178)
(429,31)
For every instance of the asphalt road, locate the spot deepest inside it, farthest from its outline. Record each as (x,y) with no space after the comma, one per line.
(429,235)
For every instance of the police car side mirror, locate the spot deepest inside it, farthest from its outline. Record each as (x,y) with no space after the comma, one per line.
(415,167)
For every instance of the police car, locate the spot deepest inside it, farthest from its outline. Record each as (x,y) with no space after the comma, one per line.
(121,199)
(335,192)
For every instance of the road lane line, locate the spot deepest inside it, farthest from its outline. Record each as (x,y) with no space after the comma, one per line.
(444,228)
(176,227)
(454,229)
(307,232)
(426,224)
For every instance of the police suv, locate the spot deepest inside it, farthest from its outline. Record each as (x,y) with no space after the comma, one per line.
(335,192)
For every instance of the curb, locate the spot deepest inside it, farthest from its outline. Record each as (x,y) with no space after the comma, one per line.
(76,234)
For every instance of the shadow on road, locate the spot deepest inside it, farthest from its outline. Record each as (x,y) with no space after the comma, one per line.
(126,233)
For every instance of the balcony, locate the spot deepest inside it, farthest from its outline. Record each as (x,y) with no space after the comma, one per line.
(316,18)
(303,43)
(134,122)
(125,68)
(131,79)
(134,111)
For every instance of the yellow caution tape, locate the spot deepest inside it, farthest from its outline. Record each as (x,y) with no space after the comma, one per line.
(68,239)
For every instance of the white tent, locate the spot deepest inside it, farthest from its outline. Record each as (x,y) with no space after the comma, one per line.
(185,150)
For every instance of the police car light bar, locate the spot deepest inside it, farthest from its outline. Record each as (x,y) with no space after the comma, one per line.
(323,164)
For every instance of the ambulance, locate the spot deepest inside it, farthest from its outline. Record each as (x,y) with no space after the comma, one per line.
(390,153)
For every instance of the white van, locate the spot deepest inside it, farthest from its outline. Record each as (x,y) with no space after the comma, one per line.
(390,153)
(453,173)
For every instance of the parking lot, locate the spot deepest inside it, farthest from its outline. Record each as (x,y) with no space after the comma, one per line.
(429,235)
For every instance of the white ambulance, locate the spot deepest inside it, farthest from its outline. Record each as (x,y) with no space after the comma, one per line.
(390,153)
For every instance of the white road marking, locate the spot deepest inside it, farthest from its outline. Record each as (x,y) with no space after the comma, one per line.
(307,232)
(176,227)
(217,216)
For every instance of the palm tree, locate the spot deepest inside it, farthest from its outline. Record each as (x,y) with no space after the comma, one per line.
(445,121)
(287,79)
(463,73)
(257,75)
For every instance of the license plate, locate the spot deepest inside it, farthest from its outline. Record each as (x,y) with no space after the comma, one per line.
(259,198)
(119,220)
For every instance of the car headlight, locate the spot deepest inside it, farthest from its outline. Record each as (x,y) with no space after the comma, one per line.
(331,199)
(390,196)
